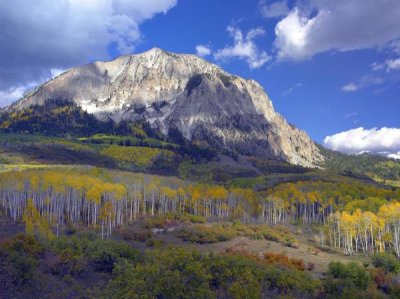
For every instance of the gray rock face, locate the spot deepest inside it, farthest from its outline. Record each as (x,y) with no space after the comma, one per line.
(185,92)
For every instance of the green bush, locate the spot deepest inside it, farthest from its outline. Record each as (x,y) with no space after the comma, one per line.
(106,254)
(180,273)
(193,218)
(102,253)
(226,231)
(135,234)
(173,273)
(159,221)
(154,243)
(387,262)
(207,234)
(85,266)
(344,280)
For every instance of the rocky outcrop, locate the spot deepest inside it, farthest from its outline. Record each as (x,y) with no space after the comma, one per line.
(185,92)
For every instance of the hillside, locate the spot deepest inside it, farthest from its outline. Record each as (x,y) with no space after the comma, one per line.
(91,231)
(83,139)
(376,167)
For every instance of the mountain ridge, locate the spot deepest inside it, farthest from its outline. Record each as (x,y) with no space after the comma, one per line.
(184,92)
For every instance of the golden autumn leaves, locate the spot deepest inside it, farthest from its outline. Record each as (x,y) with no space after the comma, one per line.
(355,217)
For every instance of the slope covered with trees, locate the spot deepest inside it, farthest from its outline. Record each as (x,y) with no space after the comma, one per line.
(352,216)
(347,215)
(64,119)
(374,166)
(54,118)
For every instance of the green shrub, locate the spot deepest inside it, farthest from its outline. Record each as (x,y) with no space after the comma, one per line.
(70,230)
(84,266)
(387,262)
(22,269)
(135,234)
(173,273)
(226,231)
(159,221)
(207,234)
(193,218)
(26,244)
(106,254)
(154,243)
(344,280)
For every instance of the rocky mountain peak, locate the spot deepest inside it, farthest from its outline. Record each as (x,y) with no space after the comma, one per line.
(185,92)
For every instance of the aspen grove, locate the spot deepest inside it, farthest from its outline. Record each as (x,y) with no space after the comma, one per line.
(354,218)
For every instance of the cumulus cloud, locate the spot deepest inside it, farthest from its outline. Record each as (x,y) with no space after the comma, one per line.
(244,48)
(394,156)
(202,50)
(392,64)
(63,33)
(377,66)
(388,65)
(274,9)
(384,140)
(13,93)
(342,25)
(16,92)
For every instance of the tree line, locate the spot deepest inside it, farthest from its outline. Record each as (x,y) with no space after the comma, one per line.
(64,197)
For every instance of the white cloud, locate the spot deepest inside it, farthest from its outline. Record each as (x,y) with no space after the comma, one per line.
(394,156)
(11,94)
(59,34)
(376,66)
(244,48)
(363,82)
(350,87)
(384,140)
(393,64)
(388,65)
(203,51)
(275,9)
(16,92)
(290,89)
(141,10)
(342,25)
(56,72)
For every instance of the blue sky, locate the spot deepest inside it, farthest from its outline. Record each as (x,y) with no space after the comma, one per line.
(328,66)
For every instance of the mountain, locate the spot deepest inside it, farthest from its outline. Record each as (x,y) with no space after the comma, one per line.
(184,92)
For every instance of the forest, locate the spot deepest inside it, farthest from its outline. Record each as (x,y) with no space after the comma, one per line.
(353,217)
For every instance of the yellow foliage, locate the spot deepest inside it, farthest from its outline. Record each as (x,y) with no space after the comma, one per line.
(140,156)
(36,223)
